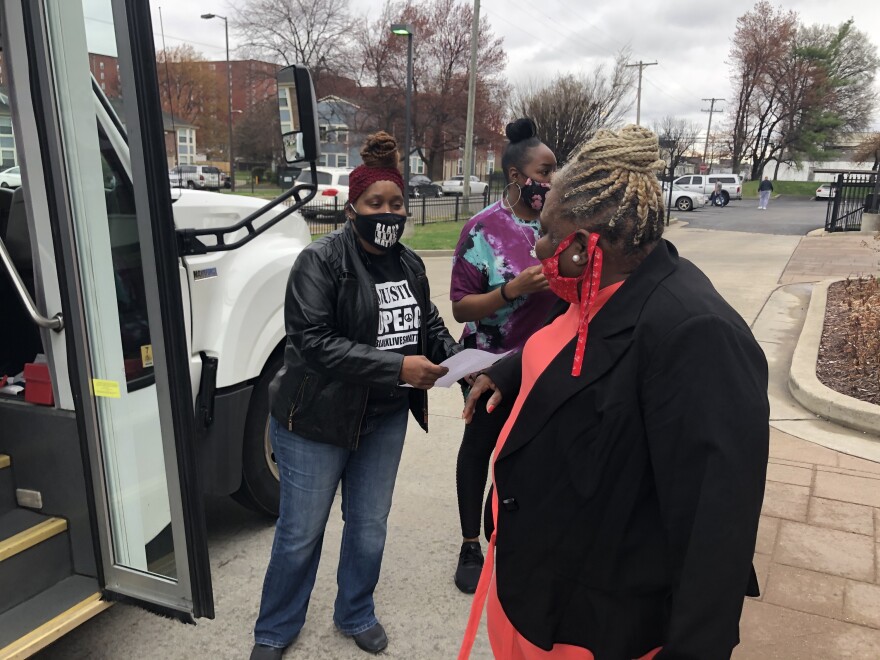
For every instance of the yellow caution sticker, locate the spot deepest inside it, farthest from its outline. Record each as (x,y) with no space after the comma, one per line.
(106,388)
(147,355)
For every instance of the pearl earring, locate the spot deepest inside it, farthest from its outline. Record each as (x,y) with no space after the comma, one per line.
(576,258)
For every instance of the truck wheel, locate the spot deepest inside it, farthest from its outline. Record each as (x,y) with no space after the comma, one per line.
(684,204)
(725,198)
(260,489)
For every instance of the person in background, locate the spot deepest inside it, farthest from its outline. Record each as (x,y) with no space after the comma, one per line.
(716,197)
(360,323)
(764,190)
(499,290)
(629,476)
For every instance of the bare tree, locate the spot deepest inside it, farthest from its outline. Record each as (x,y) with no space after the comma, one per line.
(189,90)
(677,137)
(258,133)
(571,108)
(868,151)
(798,87)
(315,33)
(440,77)
(761,38)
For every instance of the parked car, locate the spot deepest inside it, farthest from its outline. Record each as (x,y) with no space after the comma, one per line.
(332,192)
(685,200)
(199,177)
(10,178)
(731,184)
(422,186)
(455,186)
(825,191)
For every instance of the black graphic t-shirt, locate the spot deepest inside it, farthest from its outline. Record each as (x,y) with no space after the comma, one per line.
(400,319)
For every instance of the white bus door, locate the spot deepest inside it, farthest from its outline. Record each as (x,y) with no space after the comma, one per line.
(95,205)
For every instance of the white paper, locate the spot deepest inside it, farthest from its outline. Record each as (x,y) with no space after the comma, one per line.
(462,364)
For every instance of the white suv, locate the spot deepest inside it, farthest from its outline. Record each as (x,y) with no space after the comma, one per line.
(332,194)
(731,185)
(202,177)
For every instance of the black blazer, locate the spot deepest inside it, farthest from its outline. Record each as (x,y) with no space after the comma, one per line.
(629,497)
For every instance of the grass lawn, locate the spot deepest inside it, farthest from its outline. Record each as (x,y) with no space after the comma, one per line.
(787,188)
(433,236)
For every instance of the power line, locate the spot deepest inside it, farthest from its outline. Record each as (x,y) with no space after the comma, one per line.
(711,111)
(641,66)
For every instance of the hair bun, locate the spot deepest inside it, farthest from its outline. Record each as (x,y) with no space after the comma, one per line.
(521,129)
(380,150)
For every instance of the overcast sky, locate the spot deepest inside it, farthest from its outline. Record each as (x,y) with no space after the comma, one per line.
(688,39)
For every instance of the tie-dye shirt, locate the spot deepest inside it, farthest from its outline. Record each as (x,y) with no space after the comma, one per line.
(495,247)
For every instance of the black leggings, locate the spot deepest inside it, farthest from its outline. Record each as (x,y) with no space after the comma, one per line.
(472,466)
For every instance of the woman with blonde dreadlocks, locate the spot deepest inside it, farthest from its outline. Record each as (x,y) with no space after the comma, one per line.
(629,476)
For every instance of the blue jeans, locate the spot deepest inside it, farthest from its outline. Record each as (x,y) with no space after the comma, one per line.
(310,473)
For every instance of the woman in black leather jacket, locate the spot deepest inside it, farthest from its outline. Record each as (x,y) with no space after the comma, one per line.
(360,324)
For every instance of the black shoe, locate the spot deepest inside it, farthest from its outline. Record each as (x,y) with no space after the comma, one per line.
(470,565)
(263,652)
(373,640)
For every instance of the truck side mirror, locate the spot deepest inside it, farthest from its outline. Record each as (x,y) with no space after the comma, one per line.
(296,103)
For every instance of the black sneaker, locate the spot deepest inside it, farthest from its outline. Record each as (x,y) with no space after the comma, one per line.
(373,640)
(470,565)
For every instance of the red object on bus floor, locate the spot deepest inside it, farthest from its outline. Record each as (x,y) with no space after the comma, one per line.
(38,384)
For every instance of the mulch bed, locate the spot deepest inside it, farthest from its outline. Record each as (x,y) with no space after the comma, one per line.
(849,354)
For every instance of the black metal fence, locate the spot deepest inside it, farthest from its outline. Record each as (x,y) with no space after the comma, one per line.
(325,215)
(851,194)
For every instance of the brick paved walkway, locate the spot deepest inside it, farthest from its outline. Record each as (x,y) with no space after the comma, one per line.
(837,255)
(817,557)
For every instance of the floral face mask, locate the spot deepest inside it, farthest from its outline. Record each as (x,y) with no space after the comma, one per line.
(534,193)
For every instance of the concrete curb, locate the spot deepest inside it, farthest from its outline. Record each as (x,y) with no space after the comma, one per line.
(805,386)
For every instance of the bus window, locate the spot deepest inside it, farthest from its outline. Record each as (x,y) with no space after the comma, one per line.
(134,327)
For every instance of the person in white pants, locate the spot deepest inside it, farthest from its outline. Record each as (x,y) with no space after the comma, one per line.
(764,190)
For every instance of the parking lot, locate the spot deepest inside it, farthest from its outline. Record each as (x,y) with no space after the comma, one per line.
(785,216)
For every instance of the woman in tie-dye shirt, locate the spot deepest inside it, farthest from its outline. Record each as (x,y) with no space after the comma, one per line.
(498,289)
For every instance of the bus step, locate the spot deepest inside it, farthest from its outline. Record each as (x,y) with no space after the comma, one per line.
(7,486)
(34,555)
(33,625)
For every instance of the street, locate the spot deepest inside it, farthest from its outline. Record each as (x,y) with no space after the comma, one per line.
(745,253)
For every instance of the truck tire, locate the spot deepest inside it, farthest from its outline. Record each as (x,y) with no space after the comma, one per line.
(725,198)
(684,204)
(260,489)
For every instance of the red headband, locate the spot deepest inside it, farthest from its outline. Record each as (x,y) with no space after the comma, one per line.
(362,177)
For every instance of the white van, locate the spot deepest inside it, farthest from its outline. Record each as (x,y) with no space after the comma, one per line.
(731,184)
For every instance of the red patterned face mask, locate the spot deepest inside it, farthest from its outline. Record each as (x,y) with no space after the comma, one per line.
(577,290)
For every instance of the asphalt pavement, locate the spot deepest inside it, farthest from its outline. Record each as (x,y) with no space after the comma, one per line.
(785,216)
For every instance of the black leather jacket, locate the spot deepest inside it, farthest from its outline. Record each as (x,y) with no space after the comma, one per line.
(331,316)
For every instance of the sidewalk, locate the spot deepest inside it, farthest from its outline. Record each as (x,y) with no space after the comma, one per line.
(818,550)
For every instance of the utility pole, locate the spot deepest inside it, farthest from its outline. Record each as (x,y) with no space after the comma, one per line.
(469,127)
(711,111)
(641,66)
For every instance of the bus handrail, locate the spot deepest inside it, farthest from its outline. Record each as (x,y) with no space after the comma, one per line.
(189,242)
(55,323)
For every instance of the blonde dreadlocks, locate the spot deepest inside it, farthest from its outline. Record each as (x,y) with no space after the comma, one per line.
(616,170)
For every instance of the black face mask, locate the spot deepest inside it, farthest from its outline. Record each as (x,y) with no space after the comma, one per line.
(381,230)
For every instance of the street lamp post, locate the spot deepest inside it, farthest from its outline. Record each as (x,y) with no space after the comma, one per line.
(403,29)
(208,17)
